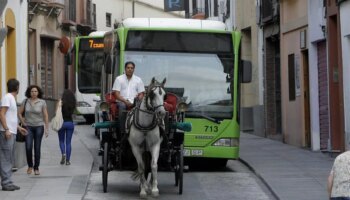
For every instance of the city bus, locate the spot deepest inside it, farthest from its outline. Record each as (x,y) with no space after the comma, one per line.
(89,58)
(201,62)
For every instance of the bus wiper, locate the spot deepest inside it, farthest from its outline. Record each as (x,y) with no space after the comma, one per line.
(211,119)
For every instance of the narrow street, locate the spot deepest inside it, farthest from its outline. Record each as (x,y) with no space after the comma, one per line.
(234,182)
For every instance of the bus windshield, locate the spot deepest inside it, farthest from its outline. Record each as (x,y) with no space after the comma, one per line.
(89,71)
(203,80)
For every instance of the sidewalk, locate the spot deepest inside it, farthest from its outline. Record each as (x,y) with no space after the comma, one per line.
(290,172)
(56,181)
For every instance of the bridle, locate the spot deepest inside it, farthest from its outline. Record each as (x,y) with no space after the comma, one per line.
(150,109)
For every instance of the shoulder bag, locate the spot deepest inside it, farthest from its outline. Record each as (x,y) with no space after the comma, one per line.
(19,136)
(57,120)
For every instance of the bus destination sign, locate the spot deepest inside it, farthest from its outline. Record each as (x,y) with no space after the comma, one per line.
(89,44)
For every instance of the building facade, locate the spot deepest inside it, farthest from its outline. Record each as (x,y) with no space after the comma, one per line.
(344,14)
(294,73)
(318,77)
(13,52)
(46,64)
(109,13)
(335,77)
(252,94)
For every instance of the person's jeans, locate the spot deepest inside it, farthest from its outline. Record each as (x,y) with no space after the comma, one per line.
(340,198)
(6,157)
(35,133)
(65,138)
(121,108)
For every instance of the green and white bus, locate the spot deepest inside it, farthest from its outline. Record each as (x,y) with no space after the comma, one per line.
(89,59)
(201,61)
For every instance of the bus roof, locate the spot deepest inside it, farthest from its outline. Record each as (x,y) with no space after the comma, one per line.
(173,23)
(97,33)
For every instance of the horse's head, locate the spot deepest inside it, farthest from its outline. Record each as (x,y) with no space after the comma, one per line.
(156,95)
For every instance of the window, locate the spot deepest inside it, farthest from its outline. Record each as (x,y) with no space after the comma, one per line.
(72,10)
(108,19)
(46,68)
(206,8)
(88,12)
(216,6)
(266,10)
(291,77)
(194,7)
(94,14)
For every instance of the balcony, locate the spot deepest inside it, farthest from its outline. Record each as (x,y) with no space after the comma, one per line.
(86,26)
(50,8)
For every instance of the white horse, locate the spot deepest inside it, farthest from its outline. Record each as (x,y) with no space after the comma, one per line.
(143,124)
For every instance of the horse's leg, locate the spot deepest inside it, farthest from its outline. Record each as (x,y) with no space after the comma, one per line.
(137,151)
(154,166)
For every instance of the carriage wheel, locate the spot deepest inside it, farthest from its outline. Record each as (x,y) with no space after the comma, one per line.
(179,159)
(181,167)
(105,167)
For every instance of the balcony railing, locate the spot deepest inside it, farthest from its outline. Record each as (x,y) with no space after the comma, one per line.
(46,7)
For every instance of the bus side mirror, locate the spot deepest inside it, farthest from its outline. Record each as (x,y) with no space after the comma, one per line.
(246,71)
(108,64)
(68,58)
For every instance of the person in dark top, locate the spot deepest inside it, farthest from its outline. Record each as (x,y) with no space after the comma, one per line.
(66,132)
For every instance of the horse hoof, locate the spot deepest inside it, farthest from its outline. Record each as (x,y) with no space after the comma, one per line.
(155,193)
(143,195)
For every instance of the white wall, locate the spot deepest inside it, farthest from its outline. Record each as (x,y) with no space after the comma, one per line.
(121,9)
(315,21)
(20,12)
(345,40)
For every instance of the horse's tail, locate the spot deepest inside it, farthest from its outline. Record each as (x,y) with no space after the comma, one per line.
(136,175)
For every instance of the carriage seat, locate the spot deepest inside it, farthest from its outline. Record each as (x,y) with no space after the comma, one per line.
(111,100)
(170,103)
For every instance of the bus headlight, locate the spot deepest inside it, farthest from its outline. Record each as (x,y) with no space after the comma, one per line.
(227,142)
(83,104)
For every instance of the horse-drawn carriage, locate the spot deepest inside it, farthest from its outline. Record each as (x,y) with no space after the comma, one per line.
(153,129)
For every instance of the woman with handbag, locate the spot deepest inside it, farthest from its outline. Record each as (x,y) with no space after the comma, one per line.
(33,116)
(65,134)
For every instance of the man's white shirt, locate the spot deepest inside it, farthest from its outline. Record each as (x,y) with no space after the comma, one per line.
(129,89)
(11,115)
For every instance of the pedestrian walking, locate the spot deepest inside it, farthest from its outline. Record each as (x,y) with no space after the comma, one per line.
(339,178)
(33,116)
(66,132)
(8,130)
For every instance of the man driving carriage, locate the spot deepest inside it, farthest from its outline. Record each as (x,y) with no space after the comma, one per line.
(127,88)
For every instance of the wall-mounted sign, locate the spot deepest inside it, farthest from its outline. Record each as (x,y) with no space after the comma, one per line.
(303,39)
(174,5)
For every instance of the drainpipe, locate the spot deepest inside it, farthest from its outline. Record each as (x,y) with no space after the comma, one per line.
(133,9)
(28,59)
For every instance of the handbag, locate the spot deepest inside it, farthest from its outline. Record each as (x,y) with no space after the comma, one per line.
(19,136)
(57,120)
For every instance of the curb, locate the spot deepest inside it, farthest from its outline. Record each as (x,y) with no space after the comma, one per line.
(260,177)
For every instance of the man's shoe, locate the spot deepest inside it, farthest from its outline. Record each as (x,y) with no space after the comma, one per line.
(16,187)
(8,188)
(68,162)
